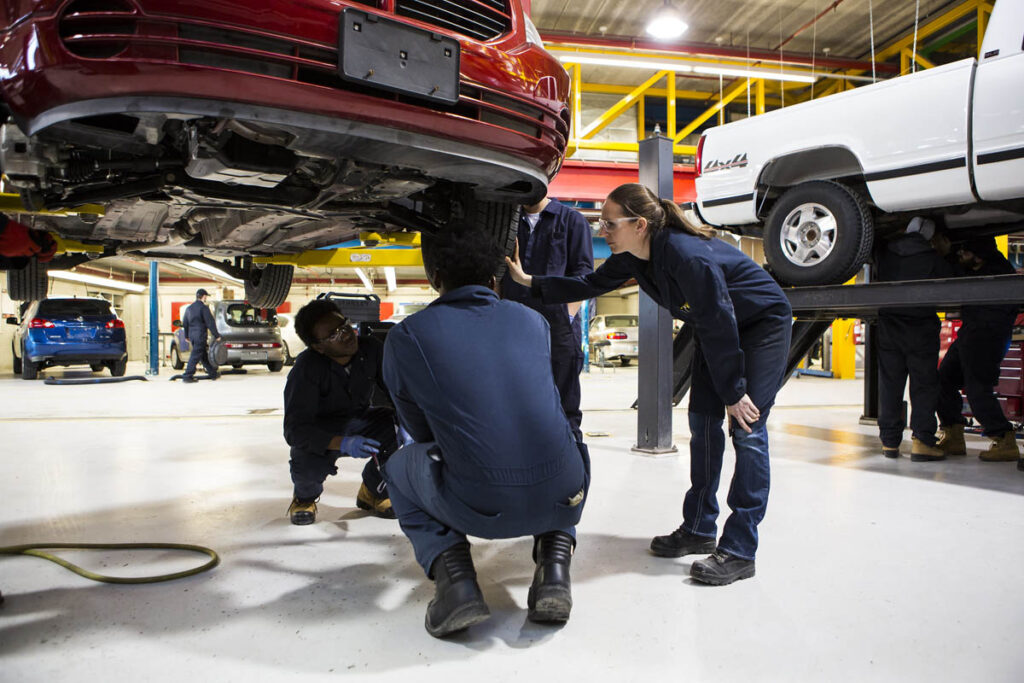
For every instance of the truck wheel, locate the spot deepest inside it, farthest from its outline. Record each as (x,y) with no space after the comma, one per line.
(268,287)
(28,284)
(818,233)
(16,362)
(176,360)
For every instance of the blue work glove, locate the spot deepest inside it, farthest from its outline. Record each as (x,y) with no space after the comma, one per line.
(404,437)
(359,446)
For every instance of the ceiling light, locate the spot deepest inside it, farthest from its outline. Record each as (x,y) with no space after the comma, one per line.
(212,270)
(367,282)
(624,61)
(391,277)
(755,73)
(93,280)
(667,23)
(631,62)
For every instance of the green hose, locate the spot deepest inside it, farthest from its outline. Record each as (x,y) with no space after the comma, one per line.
(33,550)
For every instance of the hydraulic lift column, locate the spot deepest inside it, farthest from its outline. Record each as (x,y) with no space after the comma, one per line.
(655,376)
(154,320)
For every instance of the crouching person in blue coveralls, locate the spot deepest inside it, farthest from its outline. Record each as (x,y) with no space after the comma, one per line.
(493,454)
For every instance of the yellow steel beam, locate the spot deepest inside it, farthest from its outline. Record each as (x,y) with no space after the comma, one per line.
(611,89)
(937,24)
(11,203)
(347,258)
(671,108)
(641,116)
(759,96)
(731,94)
(577,100)
(72,247)
(630,147)
(622,105)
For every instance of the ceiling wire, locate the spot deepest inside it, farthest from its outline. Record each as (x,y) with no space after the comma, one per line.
(917,19)
(814,48)
(871,24)
(782,84)
(748,66)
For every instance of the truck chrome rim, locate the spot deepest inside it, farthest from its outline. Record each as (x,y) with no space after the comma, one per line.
(808,235)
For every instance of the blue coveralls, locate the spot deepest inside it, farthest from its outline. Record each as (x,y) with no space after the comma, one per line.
(908,343)
(470,377)
(742,323)
(196,321)
(323,399)
(560,244)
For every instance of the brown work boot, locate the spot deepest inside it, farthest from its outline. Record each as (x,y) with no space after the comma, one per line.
(951,440)
(1004,449)
(302,512)
(366,500)
(922,452)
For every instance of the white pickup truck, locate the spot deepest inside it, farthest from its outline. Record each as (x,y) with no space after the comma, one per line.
(817,179)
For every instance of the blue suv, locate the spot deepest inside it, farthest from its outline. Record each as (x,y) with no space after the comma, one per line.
(69,332)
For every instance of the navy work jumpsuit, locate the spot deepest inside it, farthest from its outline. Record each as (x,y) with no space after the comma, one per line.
(323,399)
(908,343)
(742,323)
(495,457)
(973,360)
(560,244)
(196,321)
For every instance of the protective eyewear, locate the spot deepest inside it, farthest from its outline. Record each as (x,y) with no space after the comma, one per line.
(343,329)
(609,225)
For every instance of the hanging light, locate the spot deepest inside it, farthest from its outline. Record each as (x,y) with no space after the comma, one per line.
(667,23)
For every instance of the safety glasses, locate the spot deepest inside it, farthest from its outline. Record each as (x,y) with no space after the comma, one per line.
(609,225)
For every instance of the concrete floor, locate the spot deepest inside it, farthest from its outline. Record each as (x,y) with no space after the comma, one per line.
(869,569)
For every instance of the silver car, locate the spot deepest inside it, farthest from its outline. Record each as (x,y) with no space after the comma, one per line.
(249,336)
(614,337)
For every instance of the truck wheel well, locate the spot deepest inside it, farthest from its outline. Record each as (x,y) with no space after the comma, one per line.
(823,163)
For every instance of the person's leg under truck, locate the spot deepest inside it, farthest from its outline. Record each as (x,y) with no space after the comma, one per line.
(982,351)
(436,511)
(951,377)
(309,470)
(892,381)
(707,446)
(376,423)
(921,348)
(566,365)
(198,354)
(765,351)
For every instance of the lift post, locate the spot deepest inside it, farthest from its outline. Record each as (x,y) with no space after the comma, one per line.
(655,375)
(154,320)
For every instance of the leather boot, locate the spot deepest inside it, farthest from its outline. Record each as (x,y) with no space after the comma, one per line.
(681,542)
(951,440)
(1004,449)
(550,598)
(458,602)
(366,500)
(302,512)
(922,452)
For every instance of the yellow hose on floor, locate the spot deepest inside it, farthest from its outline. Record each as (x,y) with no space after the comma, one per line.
(33,549)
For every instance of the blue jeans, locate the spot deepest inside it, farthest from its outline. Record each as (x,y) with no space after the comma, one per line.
(765,346)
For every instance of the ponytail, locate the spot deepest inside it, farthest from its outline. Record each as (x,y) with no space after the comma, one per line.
(638,200)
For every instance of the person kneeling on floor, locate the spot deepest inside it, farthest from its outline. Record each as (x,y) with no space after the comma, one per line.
(492,454)
(328,411)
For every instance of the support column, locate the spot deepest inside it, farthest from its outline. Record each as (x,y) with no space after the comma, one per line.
(870,415)
(654,402)
(154,321)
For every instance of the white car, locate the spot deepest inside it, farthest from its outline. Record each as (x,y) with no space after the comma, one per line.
(614,337)
(817,179)
(293,346)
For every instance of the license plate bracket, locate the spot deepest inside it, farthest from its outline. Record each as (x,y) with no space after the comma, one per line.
(387,54)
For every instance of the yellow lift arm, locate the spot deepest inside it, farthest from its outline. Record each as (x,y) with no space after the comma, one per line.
(358,257)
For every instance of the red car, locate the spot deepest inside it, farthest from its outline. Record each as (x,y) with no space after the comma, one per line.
(222,129)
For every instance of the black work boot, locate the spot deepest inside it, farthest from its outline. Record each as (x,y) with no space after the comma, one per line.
(681,542)
(721,568)
(458,602)
(550,598)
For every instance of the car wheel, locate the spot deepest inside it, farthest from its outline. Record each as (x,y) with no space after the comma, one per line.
(96,367)
(176,360)
(818,233)
(29,370)
(117,367)
(624,362)
(16,362)
(236,366)
(275,366)
(288,358)
(498,219)
(268,287)
(29,283)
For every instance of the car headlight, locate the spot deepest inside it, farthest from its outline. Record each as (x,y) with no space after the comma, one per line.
(532,34)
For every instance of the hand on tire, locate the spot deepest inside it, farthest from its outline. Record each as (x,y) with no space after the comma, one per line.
(515,268)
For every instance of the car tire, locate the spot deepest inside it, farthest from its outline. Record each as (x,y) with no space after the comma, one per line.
(236,366)
(15,362)
(96,367)
(288,358)
(118,367)
(30,283)
(176,360)
(29,370)
(624,362)
(275,366)
(818,233)
(498,219)
(268,287)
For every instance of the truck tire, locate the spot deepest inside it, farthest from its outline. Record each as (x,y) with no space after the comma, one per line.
(268,287)
(28,284)
(818,233)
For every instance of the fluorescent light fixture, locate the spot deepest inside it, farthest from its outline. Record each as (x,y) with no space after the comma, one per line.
(755,73)
(628,62)
(667,23)
(93,280)
(367,282)
(207,268)
(391,277)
